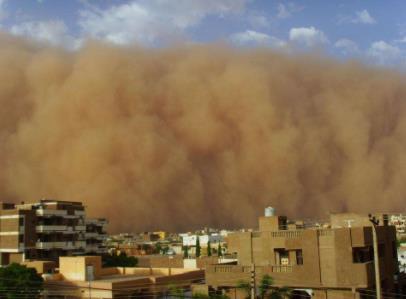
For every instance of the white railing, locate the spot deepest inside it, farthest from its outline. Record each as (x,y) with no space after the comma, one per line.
(81,228)
(48,212)
(50,228)
(80,213)
(49,245)
(62,244)
(69,230)
(91,235)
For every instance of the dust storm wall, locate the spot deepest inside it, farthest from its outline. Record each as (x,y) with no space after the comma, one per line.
(187,136)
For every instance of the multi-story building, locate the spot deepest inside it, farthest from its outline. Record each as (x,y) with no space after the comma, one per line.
(96,235)
(399,221)
(41,231)
(320,262)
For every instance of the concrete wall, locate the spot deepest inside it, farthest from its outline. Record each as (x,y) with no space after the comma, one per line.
(74,268)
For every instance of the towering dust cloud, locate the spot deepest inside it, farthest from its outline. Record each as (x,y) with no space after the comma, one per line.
(204,135)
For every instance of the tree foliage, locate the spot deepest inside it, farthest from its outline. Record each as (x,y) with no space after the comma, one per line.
(211,296)
(20,282)
(245,287)
(119,260)
(198,248)
(266,289)
(176,292)
(219,250)
(185,252)
(208,248)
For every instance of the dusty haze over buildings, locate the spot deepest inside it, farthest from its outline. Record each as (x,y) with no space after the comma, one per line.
(187,136)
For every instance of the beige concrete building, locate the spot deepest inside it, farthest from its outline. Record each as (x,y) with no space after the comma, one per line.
(43,230)
(322,263)
(84,277)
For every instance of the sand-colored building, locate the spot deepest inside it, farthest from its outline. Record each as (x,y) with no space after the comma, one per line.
(316,262)
(84,277)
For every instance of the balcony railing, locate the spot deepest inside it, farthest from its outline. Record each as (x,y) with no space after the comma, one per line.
(282,269)
(46,212)
(61,245)
(286,234)
(81,228)
(91,235)
(80,213)
(50,228)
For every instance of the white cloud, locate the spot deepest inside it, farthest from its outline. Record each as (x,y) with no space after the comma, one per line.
(401,41)
(347,46)
(3,12)
(251,38)
(283,12)
(380,52)
(54,32)
(363,17)
(307,36)
(286,10)
(147,21)
(258,20)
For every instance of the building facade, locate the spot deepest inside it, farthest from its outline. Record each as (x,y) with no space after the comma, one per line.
(321,262)
(96,235)
(41,231)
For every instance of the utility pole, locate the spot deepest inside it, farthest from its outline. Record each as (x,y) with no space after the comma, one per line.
(375,223)
(252,284)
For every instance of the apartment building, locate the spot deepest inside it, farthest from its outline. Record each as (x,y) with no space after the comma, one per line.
(335,262)
(43,230)
(96,235)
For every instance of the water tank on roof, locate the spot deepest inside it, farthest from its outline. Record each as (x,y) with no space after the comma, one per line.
(269,211)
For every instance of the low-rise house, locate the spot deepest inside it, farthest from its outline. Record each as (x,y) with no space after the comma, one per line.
(84,277)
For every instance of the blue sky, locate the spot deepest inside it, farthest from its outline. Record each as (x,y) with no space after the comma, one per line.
(374,31)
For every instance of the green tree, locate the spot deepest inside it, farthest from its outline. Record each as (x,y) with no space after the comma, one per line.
(119,260)
(185,252)
(219,250)
(198,248)
(245,287)
(266,289)
(20,282)
(211,296)
(265,285)
(208,248)
(176,292)
(158,247)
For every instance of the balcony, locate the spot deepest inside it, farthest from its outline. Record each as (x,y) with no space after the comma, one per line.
(282,269)
(66,245)
(90,235)
(80,228)
(50,228)
(80,213)
(49,213)
(227,275)
(69,230)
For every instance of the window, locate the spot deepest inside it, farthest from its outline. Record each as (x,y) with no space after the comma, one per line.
(21,221)
(299,257)
(281,256)
(362,254)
